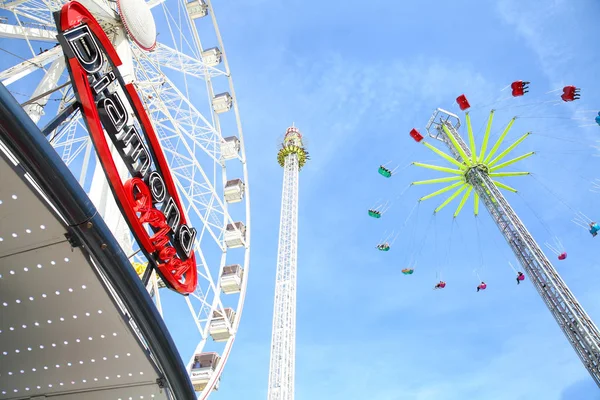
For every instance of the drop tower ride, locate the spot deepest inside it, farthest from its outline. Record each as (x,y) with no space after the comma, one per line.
(292,156)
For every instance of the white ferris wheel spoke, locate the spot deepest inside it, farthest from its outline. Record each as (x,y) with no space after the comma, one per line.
(26,67)
(168,57)
(155,85)
(194,184)
(49,81)
(69,144)
(43,34)
(34,10)
(41,10)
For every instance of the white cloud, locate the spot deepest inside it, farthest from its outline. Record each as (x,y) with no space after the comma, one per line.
(541,28)
(340,97)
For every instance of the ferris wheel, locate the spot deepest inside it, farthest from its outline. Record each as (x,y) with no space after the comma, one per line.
(181,80)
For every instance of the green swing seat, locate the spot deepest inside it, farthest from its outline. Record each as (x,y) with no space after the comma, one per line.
(374,214)
(385,172)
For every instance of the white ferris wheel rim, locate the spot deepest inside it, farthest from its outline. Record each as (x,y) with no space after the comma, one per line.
(143,42)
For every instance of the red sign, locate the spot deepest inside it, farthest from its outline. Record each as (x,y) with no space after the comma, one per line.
(148,199)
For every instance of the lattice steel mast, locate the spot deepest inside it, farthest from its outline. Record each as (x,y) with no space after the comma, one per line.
(292,158)
(572,319)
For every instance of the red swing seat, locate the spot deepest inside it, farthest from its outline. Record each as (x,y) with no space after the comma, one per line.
(463,103)
(416,135)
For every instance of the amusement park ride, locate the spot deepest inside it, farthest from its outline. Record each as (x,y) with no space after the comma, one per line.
(124,199)
(291,157)
(475,172)
(470,172)
(169,171)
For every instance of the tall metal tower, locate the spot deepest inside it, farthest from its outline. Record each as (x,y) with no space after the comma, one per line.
(292,158)
(478,174)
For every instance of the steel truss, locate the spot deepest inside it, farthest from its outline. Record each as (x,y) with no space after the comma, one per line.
(566,310)
(283,342)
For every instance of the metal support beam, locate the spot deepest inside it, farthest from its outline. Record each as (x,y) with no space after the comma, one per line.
(18,71)
(8,31)
(35,106)
(60,118)
(577,326)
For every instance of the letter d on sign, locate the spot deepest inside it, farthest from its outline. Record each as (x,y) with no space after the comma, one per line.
(187,237)
(85,48)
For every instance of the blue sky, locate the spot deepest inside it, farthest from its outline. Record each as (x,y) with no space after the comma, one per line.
(355,77)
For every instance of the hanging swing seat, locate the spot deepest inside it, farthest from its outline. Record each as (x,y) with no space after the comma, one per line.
(440,285)
(408,271)
(562,256)
(463,103)
(482,286)
(383,171)
(374,214)
(569,93)
(521,277)
(517,85)
(416,135)
(383,247)
(518,88)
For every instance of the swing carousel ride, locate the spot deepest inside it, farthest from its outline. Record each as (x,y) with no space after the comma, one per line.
(481,173)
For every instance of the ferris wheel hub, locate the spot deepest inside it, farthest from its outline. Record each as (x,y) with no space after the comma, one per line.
(139,23)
